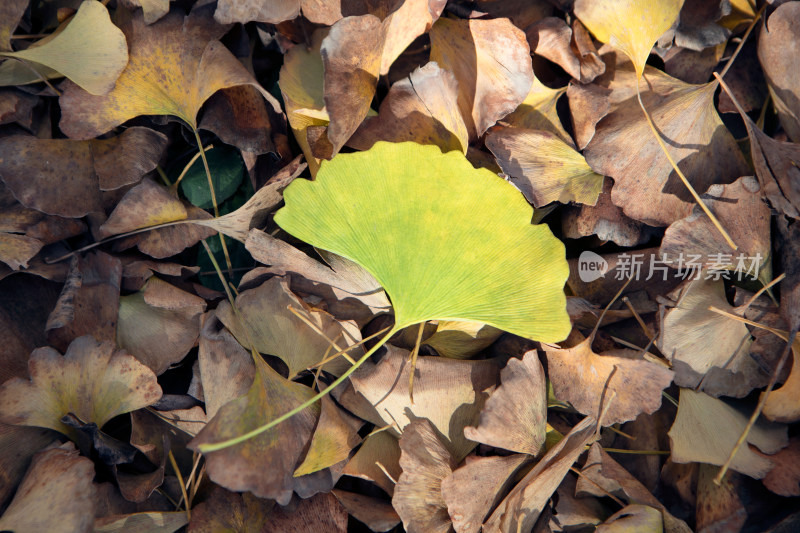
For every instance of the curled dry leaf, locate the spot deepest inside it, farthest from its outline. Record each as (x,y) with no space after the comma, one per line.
(543,167)
(90,50)
(426,462)
(275,330)
(379,451)
(698,28)
(82,169)
(491,62)
(263,464)
(739,208)
(630,26)
(624,148)
(520,509)
(721,362)
(448,392)
(88,303)
(377,515)
(588,380)
(423,108)
(706,429)
(778,45)
(93,380)
(160,324)
(175,65)
(335,436)
(474,488)
(226,369)
(551,38)
(56,494)
(603,219)
(515,415)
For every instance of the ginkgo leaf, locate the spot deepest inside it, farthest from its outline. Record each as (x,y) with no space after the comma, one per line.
(175,65)
(461,340)
(544,167)
(11,11)
(482,260)
(538,111)
(93,380)
(91,51)
(376,460)
(632,26)
(334,437)
(151,9)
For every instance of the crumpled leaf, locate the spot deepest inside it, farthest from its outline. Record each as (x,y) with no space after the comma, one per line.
(350,291)
(624,148)
(56,494)
(377,515)
(335,436)
(551,38)
(603,219)
(359,217)
(474,488)
(697,26)
(426,462)
(778,44)
(448,392)
(720,362)
(631,26)
(740,210)
(491,62)
(461,340)
(160,324)
(706,429)
(93,380)
(515,415)
(81,168)
(422,108)
(17,250)
(263,464)
(175,65)
(88,303)
(91,51)
(581,377)
(520,509)
(544,167)
(275,330)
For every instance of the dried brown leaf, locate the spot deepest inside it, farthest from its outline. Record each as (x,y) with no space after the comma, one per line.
(778,45)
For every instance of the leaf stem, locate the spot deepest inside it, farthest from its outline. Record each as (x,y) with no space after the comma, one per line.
(216,446)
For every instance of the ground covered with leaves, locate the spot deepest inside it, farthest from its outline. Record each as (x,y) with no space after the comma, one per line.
(399,265)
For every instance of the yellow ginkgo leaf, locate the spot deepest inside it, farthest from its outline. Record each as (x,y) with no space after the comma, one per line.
(90,50)
(631,26)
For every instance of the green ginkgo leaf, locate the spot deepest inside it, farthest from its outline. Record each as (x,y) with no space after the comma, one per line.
(445,240)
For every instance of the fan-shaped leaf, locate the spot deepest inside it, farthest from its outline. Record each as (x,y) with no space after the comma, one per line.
(445,240)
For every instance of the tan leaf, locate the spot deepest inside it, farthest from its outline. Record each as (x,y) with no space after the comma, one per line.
(17,250)
(56,494)
(378,450)
(92,380)
(585,379)
(491,62)
(376,514)
(624,148)
(426,462)
(544,167)
(275,330)
(632,518)
(778,44)
(160,324)
(263,464)
(175,65)
(473,489)
(706,429)
(448,392)
(515,415)
(520,509)
(422,108)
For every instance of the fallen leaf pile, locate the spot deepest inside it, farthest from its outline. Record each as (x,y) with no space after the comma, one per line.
(404,265)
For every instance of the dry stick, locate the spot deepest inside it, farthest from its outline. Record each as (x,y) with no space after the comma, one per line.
(647,332)
(762,290)
(213,200)
(181,483)
(760,407)
(414,354)
(747,33)
(190,479)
